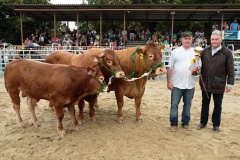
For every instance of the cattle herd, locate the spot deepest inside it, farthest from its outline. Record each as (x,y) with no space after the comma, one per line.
(66,79)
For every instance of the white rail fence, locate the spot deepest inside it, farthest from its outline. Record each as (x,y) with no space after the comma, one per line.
(9,54)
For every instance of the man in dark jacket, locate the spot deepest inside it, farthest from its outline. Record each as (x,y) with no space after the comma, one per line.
(217,70)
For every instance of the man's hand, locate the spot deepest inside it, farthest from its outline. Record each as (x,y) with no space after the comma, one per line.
(170,85)
(228,89)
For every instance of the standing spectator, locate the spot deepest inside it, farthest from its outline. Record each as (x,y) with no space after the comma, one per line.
(94,32)
(41,40)
(217,70)
(124,33)
(154,36)
(132,33)
(234,25)
(143,33)
(180,81)
(148,34)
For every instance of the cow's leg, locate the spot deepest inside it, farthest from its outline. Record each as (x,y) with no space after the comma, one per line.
(31,106)
(50,106)
(19,118)
(80,115)
(92,109)
(14,94)
(60,114)
(120,104)
(138,109)
(71,110)
(95,105)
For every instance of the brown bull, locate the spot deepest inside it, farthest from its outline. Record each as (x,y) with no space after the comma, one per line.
(108,62)
(135,62)
(62,85)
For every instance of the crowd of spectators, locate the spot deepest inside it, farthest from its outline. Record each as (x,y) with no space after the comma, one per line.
(227,25)
(115,38)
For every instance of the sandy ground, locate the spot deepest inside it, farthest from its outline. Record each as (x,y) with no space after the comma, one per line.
(106,139)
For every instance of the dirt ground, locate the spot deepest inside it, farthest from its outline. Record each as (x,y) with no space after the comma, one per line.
(106,139)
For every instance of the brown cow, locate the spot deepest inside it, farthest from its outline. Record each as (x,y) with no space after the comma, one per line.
(62,85)
(135,62)
(109,64)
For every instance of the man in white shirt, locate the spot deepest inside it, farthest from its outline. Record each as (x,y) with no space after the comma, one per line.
(180,81)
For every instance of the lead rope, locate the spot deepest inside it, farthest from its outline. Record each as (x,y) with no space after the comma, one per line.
(112,72)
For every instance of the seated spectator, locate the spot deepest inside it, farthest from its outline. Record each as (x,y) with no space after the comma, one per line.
(96,43)
(91,45)
(197,33)
(83,41)
(69,42)
(27,40)
(149,40)
(214,26)
(225,25)
(64,46)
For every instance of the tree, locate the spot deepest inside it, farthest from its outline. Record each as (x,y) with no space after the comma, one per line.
(10,29)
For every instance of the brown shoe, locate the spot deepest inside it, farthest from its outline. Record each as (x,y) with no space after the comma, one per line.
(173,128)
(186,127)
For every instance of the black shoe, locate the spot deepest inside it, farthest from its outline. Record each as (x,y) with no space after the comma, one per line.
(200,126)
(216,129)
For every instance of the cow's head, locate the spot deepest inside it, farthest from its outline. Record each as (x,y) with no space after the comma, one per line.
(151,55)
(110,62)
(98,78)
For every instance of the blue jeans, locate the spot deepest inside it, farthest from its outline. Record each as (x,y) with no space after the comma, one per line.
(176,96)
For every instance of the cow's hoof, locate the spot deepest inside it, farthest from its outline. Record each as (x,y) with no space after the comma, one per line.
(120,120)
(139,120)
(82,122)
(61,133)
(94,119)
(21,125)
(36,124)
(77,129)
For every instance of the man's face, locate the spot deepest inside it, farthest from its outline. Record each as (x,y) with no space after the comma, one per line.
(216,41)
(187,41)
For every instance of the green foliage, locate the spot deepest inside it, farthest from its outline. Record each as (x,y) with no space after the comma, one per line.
(10,29)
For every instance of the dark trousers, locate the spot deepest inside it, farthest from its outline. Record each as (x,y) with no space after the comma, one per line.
(217,110)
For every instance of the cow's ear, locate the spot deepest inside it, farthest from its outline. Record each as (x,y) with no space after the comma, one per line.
(101,55)
(162,47)
(139,51)
(91,71)
(95,58)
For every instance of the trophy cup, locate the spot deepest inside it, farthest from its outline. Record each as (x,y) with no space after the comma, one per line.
(198,50)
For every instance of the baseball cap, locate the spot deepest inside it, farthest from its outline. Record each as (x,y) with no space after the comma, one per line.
(187,33)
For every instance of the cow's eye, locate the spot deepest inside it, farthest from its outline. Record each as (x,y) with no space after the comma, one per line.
(109,62)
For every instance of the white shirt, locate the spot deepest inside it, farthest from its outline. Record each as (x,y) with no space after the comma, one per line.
(180,61)
(216,50)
